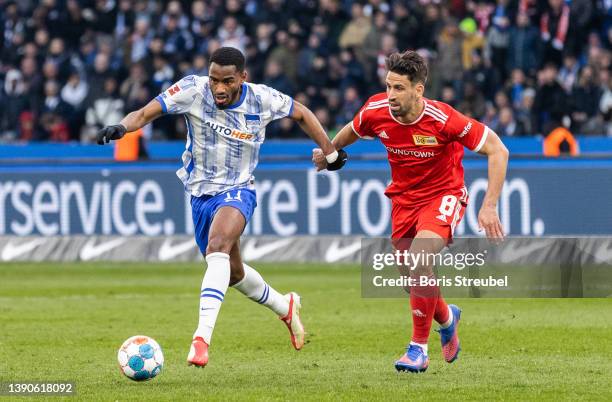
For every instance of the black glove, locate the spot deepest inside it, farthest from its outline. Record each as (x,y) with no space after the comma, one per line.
(109,133)
(339,162)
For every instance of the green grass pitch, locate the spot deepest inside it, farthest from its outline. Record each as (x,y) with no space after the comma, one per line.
(66,322)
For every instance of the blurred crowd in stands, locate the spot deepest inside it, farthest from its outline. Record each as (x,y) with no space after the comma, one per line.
(69,67)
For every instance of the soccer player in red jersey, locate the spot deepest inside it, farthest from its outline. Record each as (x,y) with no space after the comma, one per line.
(424,141)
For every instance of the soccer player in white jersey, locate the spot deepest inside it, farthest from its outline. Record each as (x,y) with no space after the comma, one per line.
(226,121)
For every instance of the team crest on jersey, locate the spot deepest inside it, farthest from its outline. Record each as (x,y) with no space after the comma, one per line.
(252,120)
(427,140)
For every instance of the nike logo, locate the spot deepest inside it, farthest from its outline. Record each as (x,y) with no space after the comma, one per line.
(12,251)
(90,250)
(168,251)
(336,253)
(209,308)
(251,251)
(513,252)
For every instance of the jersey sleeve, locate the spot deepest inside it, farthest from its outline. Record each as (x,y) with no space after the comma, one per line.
(471,133)
(280,105)
(179,97)
(362,124)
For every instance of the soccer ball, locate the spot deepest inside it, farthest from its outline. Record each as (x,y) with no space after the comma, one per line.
(140,358)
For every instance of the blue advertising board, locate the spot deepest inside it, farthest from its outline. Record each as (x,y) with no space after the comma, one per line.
(148,199)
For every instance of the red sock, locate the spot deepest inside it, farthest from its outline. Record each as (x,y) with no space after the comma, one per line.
(423,300)
(441,315)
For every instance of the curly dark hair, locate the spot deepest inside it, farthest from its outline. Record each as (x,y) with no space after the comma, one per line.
(410,64)
(228,56)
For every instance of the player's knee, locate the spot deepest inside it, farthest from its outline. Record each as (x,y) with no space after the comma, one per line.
(219,244)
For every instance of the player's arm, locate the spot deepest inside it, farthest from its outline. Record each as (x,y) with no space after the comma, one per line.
(345,137)
(334,157)
(497,154)
(132,122)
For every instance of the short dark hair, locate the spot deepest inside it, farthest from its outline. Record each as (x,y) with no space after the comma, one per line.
(228,56)
(410,64)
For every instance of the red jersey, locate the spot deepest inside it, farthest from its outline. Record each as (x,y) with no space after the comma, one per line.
(425,155)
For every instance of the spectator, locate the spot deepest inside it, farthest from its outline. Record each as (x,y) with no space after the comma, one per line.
(163,74)
(516,87)
(72,24)
(139,40)
(334,17)
(568,74)
(131,88)
(58,56)
(473,103)
(449,53)
(482,75)
(350,106)
(369,52)
(408,26)
(201,25)
(54,115)
(498,37)
(104,111)
(506,125)
(286,54)
(551,102)
(100,72)
(387,46)
(585,101)
(199,66)
(12,104)
(554,25)
(524,112)
(430,28)
(472,41)
(232,34)
(524,46)
(75,91)
(325,55)
(356,31)
(31,76)
(275,78)
(306,57)
(449,95)
(177,40)
(125,19)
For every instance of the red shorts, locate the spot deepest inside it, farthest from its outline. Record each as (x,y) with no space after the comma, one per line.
(440,216)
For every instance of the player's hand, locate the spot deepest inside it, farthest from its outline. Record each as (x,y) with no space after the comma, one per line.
(340,161)
(489,221)
(109,133)
(318,159)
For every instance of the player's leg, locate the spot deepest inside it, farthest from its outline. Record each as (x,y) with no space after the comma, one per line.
(225,230)
(441,217)
(218,222)
(423,300)
(249,282)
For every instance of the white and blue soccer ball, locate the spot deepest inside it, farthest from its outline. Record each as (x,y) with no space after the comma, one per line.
(140,358)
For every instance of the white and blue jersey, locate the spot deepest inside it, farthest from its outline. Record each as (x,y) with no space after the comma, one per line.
(222,148)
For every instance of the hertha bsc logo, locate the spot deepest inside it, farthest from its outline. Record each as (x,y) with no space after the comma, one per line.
(425,140)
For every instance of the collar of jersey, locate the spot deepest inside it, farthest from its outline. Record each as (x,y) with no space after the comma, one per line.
(242,97)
